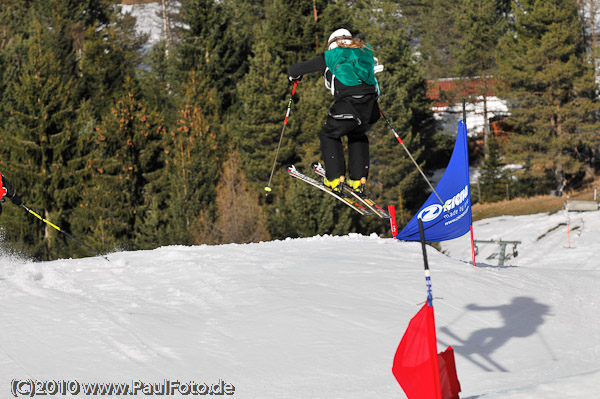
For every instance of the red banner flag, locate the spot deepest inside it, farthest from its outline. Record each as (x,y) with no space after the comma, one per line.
(448,378)
(416,360)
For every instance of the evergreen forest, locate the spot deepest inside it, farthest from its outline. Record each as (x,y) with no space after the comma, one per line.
(131,147)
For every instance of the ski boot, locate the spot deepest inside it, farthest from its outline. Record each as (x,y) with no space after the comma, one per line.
(358,186)
(336,185)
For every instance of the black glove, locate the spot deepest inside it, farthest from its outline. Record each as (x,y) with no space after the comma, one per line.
(10,193)
(16,200)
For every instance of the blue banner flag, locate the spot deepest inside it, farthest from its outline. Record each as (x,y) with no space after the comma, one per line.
(455,219)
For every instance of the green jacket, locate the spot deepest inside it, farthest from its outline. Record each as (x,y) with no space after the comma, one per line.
(352,66)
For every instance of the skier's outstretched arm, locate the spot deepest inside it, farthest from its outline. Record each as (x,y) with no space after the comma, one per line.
(300,69)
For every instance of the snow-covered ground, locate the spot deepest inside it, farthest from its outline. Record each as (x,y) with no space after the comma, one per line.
(316,317)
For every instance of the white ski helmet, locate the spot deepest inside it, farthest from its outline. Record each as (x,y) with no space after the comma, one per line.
(337,35)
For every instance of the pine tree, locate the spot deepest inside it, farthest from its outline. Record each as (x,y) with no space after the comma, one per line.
(194,149)
(49,113)
(257,133)
(215,41)
(494,180)
(436,37)
(162,85)
(12,35)
(110,55)
(38,141)
(551,90)
(479,26)
(122,202)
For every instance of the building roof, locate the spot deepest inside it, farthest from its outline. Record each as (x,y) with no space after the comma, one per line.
(448,91)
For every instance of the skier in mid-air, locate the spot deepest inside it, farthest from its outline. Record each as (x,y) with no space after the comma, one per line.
(6,189)
(348,67)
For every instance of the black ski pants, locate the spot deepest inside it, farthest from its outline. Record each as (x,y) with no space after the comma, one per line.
(349,117)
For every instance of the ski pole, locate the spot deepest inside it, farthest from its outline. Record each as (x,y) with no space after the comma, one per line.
(62,231)
(285,121)
(411,157)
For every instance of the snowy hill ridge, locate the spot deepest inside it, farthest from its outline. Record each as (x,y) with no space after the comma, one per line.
(316,317)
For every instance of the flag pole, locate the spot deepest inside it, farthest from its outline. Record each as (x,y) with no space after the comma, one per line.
(417,365)
(426,263)
(393,223)
(464,113)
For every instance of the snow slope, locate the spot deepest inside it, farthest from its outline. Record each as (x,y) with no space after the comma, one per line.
(316,317)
